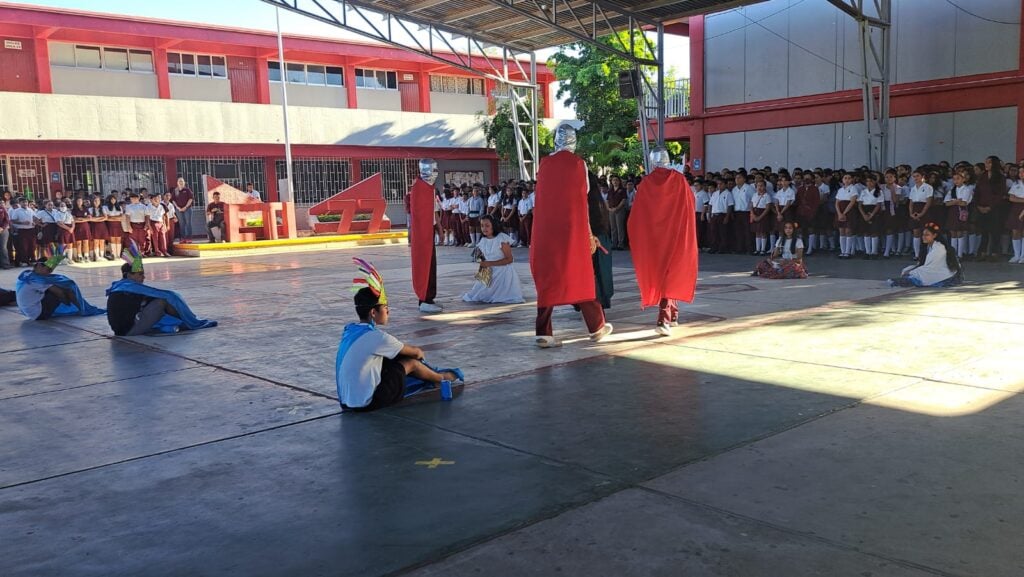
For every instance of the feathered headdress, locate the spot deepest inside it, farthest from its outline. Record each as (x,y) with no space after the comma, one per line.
(132,256)
(54,256)
(371,279)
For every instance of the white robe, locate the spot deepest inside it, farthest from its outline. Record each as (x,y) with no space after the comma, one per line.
(505,286)
(934,270)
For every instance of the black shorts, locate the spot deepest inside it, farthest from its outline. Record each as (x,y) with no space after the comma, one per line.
(391,389)
(50,304)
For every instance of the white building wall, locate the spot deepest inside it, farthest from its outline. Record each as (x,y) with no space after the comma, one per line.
(788,48)
(969,135)
(84,81)
(30,116)
(377,99)
(305,95)
(204,89)
(446,103)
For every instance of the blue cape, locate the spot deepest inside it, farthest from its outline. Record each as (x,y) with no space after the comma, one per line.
(167,324)
(64,310)
(352,333)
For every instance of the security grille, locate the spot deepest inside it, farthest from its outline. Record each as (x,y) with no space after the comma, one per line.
(398,175)
(236,171)
(316,179)
(4,178)
(28,176)
(80,174)
(508,170)
(134,172)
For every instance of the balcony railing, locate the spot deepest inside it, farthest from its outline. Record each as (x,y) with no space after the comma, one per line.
(677,98)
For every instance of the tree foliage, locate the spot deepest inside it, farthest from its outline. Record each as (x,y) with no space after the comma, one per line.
(499,130)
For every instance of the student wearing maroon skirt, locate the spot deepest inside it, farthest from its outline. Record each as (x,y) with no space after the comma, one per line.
(895,218)
(958,206)
(1015,216)
(808,201)
(83,233)
(760,209)
(113,216)
(65,229)
(137,219)
(921,195)
(846,216)
(98,229)
(870,204)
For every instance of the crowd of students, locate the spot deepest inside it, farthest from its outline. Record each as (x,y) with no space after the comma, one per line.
(90,227)
(865,213)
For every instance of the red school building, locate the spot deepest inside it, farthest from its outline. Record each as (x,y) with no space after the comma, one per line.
(101,102)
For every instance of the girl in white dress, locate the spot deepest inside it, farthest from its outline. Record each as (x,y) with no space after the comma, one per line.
(504,286)
(937,264)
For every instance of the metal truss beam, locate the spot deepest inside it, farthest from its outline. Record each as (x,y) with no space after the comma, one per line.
(876,62)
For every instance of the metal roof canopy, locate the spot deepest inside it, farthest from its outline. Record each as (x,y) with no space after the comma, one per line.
(498,33)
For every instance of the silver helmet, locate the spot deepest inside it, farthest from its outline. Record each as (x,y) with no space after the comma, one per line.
(659,157)
(565,137)
(428,170)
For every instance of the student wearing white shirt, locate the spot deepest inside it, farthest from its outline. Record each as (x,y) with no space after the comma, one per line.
(785,198)
(741,195)
(759,220)
(701,198)
(846,216)
(895,221)
(65,229)
(787,258)
(720,208)
(24,226)
(115,228)
(825,224)
(958,207)
(138,220)
(254,195)
(1015,217)
(870,205)
(157,225)
(525,209)
(47,220)
(921,195)
(493,202)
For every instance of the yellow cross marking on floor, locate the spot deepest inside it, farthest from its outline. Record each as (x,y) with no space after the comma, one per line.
(434,463)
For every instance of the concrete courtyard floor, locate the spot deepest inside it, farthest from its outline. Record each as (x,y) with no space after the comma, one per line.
(830,426)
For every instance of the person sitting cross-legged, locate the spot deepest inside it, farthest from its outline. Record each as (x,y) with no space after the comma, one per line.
(41,294)
(373,369)
(134,308)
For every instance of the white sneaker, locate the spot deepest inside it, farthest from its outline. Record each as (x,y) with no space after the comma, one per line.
(1016,260)
(468,245)
(547,342)
(602,333)
(430,308)
(663,330)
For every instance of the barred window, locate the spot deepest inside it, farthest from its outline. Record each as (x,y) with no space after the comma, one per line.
(245,169)
(204,65)
(457,85)
(398,175)
(316,179)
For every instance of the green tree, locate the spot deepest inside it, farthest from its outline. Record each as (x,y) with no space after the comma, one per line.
(590,81)
(499,130)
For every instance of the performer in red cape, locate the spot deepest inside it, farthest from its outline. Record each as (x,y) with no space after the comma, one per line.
(663,240)
(421,237)
(562,243)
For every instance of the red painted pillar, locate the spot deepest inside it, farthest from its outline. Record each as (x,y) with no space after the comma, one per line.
(270,174)
(350,85)
(697,92)
(355,172)
(42,52)
(424,82)
(262,81)
(163,78)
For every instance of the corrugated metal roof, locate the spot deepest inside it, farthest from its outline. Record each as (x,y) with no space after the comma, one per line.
(525,24)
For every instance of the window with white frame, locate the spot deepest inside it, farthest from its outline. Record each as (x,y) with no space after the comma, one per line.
(457,85)
(311,74)
(201,65)
(101,57)
(376,79)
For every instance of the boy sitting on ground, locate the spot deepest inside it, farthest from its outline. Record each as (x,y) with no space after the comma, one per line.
(372,367)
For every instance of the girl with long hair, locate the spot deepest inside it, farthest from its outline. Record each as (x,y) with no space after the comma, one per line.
(937,265)
(787,258)
(83,232)
(98,228)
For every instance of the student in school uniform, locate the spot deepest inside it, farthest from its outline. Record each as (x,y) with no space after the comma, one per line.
(758,221)
(937,214)
(824,223)
(808,201)
(846,216)
(493,202)
(921,196)
(870,205)
(742,193)
(462,230)
(1015,216)
(138,220)
(700,203)
(720,207)
(447,235)
(990,198)
(157,225)
(509,217)
(785,199)
(438,217)
(786,260)
(958,209)
(98,228)
(170,222)
(46,219)
(895,219)
(83,232)
(65,229)
(936,265)
(525,209)
(114,215)
(477,207)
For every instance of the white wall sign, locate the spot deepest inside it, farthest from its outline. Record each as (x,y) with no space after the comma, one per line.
(12,44)
(26,173)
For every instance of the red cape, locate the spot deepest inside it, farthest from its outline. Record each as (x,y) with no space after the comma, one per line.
(663,238)
(421,235)
(560,257)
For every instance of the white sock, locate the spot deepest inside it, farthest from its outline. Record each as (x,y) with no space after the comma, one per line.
(890,244)
(917,247)
(875,243)
(1018,248)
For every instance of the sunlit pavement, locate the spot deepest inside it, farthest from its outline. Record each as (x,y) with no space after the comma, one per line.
(830,426)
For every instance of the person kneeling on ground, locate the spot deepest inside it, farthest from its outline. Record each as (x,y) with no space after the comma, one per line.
(135,309)
(373,368)
(787,258)
(41,294)
(937,264)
